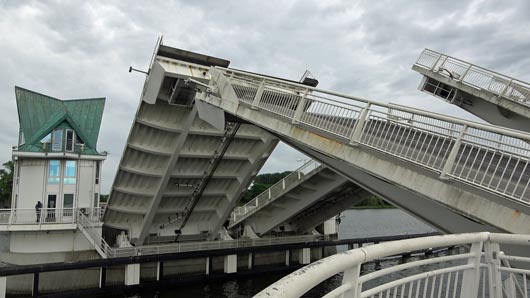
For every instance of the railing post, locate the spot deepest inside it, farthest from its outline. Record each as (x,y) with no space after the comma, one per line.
(258,95)
(11,216)
(471,278)
(3,286)
(443,63)
(492,252)
(436,62)
(102,277)
(503,92)
(452,155)
(351,276)
(465,73)
(35,289)
(359,125)
(300,108)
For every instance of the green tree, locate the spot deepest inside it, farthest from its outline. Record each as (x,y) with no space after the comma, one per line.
(6,184)
(261,183)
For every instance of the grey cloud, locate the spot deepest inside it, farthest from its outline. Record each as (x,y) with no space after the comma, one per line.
(79,49)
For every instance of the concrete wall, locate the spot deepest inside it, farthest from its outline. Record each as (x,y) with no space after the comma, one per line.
(48,242)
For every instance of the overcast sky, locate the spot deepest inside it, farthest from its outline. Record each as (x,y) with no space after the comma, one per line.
(83,49)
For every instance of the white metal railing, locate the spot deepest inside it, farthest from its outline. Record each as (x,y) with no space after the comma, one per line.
(116,252)
(478,269)
(476,76)
(92,231)
(489,157)
(32,216)
(275,191)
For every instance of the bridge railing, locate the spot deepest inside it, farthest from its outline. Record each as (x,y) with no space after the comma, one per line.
(478,269)
(32,216)
(476,76)
(212,245)
(274,192)
(489,157)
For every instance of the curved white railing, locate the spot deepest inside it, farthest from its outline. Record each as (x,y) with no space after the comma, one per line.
(476,76)
(274,192)
(478,269)
(489,157)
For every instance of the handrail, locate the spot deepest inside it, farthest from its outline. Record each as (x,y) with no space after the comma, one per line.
(266,197)
(33,216)
(471,268)
(493,128)
(510,88)
(87,227)
(489,157)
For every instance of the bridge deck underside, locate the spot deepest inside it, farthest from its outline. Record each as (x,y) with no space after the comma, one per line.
(321,195)
(167,155)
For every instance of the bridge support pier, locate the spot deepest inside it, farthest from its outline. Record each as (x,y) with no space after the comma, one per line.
(304,256)
(288,257)
(208,265)
(159,271)
(230,264)
(250,261)
(3,286)
(132,274)
(102,277)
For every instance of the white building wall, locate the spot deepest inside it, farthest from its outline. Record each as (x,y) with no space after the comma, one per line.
(31,182)
(50,241)
(86,183)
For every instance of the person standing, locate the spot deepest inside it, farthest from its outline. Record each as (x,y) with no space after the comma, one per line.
(38,208)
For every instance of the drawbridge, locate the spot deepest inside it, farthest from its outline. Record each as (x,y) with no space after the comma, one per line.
(202,132)
(497,98)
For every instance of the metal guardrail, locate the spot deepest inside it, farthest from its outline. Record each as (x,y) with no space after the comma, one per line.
(88,227)
(32,216)
(476,76)
(212,245)
(483,270)
(274,192)
(488,157)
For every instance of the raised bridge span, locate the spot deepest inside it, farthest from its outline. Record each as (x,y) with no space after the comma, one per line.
(202,131)
(497,98)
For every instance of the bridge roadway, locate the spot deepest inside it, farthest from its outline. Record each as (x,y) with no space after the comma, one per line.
(183,169)
(494,97)
(301,201)
(457,175)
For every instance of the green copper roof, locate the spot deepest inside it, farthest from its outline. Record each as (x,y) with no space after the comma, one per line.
(39,114)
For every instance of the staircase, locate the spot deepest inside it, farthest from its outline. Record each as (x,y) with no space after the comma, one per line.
(88,228)
(455,174)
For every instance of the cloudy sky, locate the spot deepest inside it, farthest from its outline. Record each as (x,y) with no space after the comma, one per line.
(83,49)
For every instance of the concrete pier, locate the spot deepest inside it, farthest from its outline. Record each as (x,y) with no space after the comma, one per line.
(132,274)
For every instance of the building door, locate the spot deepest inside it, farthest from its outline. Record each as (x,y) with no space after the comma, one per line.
(50,208)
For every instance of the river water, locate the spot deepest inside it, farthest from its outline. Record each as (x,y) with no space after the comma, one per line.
(354,224)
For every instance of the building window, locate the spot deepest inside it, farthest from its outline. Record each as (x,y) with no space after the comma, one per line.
(54,172)
(69,142)
(70,172)
(96,200)
(68,204)
(97,172)
(57,140)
